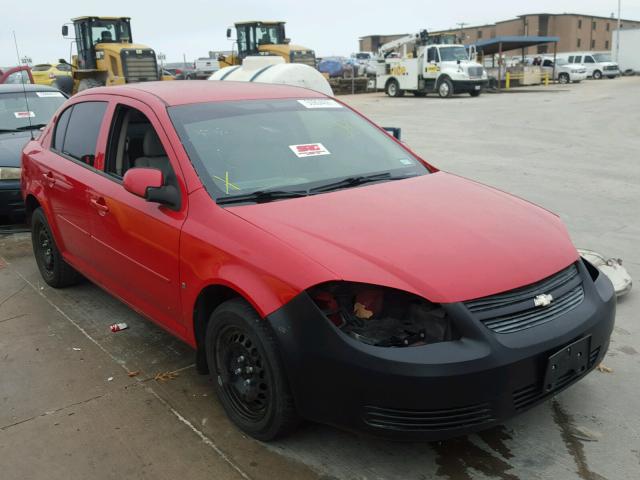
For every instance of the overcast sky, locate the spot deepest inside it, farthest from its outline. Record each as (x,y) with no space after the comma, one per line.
(330,27)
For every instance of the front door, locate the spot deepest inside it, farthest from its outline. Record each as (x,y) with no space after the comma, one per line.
(138,241)
(431,67)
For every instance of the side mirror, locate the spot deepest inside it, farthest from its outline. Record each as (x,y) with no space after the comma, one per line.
(393,131)
(65,30)
(287,41)
(228,33)
(148,183)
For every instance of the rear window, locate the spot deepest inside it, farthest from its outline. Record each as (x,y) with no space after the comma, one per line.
(41,68)
(18,112)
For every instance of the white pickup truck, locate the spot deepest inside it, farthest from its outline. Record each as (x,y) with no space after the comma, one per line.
(444,69)
(598,64)
(205,67)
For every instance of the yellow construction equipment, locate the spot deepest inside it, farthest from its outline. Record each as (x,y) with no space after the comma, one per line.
(106,54)
(264,38)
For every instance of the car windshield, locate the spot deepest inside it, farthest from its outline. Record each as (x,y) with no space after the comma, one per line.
(452,54)
(14,114)
(602,57)
(243,147)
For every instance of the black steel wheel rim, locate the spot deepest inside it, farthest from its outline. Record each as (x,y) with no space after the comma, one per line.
(45,248)
(242,374)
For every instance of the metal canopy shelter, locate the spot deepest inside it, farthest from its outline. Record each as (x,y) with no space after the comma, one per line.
(498,45)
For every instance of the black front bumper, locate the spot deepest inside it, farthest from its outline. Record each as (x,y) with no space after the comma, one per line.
(435,391)
(466,86)
(11,203)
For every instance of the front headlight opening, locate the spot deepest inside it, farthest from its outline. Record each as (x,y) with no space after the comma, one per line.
(383,317)
(10,173)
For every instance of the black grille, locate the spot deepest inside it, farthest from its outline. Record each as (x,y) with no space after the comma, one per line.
(428,420)
(139,65)
(611,67)
(515,310)
(527,396)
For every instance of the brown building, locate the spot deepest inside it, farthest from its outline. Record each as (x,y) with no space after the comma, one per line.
(576,32)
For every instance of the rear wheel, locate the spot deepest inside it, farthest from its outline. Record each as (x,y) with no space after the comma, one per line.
(248,373)
(87,83)
(54,270)
(597,74)
(393,89)
(445,88)
(563,78)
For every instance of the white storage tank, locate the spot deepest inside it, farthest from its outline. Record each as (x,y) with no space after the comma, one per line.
(273,69)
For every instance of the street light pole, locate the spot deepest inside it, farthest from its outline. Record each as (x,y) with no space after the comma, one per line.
(618,33)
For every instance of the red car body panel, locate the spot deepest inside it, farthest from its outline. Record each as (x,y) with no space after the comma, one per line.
(4,74)
(439,236)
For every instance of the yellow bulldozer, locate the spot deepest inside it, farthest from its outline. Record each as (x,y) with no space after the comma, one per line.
(106,54)
(264,38)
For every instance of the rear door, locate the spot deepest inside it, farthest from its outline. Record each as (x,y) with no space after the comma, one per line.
(66,170)
(138,241)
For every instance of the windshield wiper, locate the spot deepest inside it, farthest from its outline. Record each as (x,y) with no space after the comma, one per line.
(357,180)
(262,196)
(31,127)
(8,130)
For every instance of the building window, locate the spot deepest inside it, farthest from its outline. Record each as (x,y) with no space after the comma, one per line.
(606,44)
(579,23)
(593,25)
(593,44)
(479,33)
(579,42)
(608,27)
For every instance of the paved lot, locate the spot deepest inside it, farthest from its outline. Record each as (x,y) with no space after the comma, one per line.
(571,149)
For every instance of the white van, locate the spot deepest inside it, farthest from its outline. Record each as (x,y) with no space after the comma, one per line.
(598,64)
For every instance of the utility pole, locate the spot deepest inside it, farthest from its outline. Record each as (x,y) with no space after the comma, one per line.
(461,25)
(618,32)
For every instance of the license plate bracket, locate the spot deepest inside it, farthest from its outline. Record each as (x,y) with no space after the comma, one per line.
(569,362)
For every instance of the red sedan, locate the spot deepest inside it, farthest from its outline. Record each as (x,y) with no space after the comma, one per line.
(320,268)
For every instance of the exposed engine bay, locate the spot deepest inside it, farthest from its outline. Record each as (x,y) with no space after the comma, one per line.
(383,317)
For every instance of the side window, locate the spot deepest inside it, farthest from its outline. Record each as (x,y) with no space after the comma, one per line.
(547,63)
(589,59)
(61,128)
(578,59)
(432,54)
(63,67)
(82,131)
(570,59)
(134,143)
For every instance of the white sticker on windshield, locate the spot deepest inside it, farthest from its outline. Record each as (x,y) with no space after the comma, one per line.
(24,114)
(49,94)
(309,150)
(319,103)
(406,161)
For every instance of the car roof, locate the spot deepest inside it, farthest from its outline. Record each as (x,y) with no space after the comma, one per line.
(180,92)
(29,87)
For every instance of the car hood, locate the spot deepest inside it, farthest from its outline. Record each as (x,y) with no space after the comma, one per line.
(11,145)
(440,236)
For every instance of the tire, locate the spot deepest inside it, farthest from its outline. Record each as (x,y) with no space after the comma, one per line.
(87,83)
(597,74)
(445,88)
(54,270)
(393,89)
(564,78)
(475,93)
(247,372)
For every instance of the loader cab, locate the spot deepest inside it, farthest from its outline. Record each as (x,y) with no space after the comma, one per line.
(91,31)
(250,36)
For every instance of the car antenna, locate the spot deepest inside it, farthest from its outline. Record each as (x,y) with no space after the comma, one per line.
(24,88)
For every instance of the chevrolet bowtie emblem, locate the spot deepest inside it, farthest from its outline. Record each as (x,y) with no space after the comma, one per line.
(543,300)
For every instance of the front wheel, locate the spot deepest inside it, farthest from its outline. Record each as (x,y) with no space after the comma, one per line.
(445,88)
(54,270)
(87,83)
(247,372)
(563,78)
(597,75)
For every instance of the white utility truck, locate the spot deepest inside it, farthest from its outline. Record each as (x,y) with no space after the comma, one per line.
(422,64)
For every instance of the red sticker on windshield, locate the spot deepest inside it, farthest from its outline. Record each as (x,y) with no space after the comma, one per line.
(309,150)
